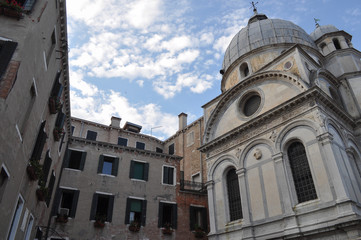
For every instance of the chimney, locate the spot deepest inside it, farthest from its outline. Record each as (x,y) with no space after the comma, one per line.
(115,122)
(182,121)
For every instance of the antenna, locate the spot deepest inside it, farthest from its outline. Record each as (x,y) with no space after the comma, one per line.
(316,22)
(254,6)
(151,129)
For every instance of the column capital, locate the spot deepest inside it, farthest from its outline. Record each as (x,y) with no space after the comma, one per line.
(240,172)
(277,157)
(325,138)
(209,184)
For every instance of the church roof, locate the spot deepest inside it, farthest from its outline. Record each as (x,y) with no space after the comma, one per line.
(322,30)
(262,31)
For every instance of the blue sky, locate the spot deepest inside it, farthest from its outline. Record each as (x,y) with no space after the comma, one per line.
(146,61)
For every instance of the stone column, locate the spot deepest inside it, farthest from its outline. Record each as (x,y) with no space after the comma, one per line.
(244,199)
(337,180)
(343,43)
(331,47)
(211,207)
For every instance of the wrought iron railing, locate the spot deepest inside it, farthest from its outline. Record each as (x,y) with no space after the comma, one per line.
(192,186)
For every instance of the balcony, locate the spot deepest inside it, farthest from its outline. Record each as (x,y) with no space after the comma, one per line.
(194,187)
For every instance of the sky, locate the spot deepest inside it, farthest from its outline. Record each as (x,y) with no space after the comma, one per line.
(147,61)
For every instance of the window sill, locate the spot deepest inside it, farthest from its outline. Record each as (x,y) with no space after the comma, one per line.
(106,175)
(166,184)
(308,203)
(73,169)
(235,222)
(138,180)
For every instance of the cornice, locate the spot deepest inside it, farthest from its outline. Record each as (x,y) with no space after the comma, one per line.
(342,51)
(123,148)
(332,34)
(314,93)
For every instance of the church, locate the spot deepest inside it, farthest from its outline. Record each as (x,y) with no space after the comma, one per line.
(282,140)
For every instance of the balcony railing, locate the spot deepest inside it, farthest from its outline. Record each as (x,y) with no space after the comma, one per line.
(195,187)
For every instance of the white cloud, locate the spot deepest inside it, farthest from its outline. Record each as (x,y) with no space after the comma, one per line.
(140,83)
(143,13)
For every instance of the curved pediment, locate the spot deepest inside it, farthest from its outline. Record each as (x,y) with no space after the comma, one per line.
(269,89)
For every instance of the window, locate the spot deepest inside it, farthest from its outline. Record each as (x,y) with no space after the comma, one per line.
(72,130)
(102,207)
(4,178)
(198,218)
(171,149)
(122,141)
(16,218)
(52,43)
(91,135)
(336,43)
(168,175)
(66,202)
(27,4)
(75,159)
(139,170)
(158,150)
(251,104)
(108,165)
(167,214)
(7,49)
(301,173)
(59,123)
(29,227)
(190,138)
(136,210)
(140,145)
(39,144)
(244,70)
(234,197)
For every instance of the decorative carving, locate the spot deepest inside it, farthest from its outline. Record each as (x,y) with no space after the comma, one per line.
(273,136)
(321,119)
(257,154)
(238,153)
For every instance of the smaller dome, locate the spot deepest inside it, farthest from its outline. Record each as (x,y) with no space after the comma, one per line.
(322,30)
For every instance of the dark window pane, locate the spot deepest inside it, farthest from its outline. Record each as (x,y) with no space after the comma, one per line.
(122,141)
(171,149)
(301,173)
(251,105)
(140,145)
(91,135)
(107,165)
(234,197)
(159,150)
(138,170)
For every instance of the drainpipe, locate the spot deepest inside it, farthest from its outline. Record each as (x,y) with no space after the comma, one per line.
(200,153)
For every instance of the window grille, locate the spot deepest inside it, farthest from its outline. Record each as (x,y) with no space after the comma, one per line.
(234,197)
(251,105)
(301,173)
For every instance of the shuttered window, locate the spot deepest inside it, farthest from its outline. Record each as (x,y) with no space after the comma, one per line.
(140,145)
(301,173)
(7,49)
(198,218)
(139,170)
(102,207)
(167,214)
(51,188)
(75,159)
(122,141)
(171,149)
(136,211)
(46,169)
(66,200)
(168,175)
(108,165)
(91,135)
(39,144)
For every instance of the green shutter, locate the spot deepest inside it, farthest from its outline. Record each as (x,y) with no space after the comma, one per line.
(174,216)
(110,208)
(82,161)
(160,215)
(146,171)
(56,202)
(131,169)
(204,219)
(144,211)
(115,166)
(127,211)
(100,164)
(74,204)
(170,175)
(50,188)
(165,174)
(39,144)
(46,168)
(93,210)
(191,218)
(6,52)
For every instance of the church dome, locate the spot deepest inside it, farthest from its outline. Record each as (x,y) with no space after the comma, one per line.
(262,31)
(322,30)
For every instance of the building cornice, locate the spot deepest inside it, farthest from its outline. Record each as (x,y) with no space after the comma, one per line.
(123,148)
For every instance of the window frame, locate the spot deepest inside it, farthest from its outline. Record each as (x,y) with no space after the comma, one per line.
(94,206)
(143,212)
(174,214)
(233,197)
(137,145)
(174,175)
(59,197)
(88,137)
(145,176)
(193,217)
(115,165)
(126,141)
(81,161)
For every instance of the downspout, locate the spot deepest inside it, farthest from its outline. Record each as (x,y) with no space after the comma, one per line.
(200,153)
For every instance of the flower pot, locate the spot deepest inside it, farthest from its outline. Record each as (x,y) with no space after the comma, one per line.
(61,219)
(31,173)
(57,134)
(199,234)
(167,231)
(12,13)
(52,106)
(99,224)
(134,228)
(40,195)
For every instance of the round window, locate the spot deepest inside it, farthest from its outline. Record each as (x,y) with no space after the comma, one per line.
(251,104)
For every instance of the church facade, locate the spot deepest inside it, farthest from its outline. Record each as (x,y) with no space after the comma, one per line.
(282,140)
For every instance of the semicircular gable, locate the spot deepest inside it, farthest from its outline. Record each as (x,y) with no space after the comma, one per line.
(255,152)
(274,88)
(220,165)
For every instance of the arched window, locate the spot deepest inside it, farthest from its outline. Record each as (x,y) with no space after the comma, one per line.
(234,197)
(323,47)
(244,70)
(336,43)
(301,172)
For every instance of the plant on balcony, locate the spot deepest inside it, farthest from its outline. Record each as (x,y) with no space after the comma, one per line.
(198,232)
(134,226)
(11,8)
(55,104)
(61,218)
(99,221)
(34,170)
(42,192)
(58,133)
(167,229)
